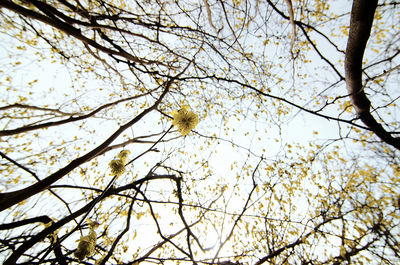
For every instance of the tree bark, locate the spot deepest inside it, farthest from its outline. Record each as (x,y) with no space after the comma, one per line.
(362,17)
(9,199)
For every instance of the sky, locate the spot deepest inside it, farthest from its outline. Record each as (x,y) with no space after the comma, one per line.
(263,137)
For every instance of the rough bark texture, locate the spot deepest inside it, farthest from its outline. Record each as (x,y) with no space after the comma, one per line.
(362,17)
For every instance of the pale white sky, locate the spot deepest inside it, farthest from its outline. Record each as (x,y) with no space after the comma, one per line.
(299,129)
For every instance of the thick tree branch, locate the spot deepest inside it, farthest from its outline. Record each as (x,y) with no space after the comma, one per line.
(362,16)
(42,219)
(41,235)
(9,199)
(67,28)
(64,121)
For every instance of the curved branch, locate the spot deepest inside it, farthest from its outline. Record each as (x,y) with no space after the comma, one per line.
(24,106)
(315,112)
(13,258)
(9,199)
(64,121)
(69,29)
(297,242)
(36,177)
(41,219)
(302,25)
(362,17)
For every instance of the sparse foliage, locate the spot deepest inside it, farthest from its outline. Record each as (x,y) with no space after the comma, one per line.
(288,153)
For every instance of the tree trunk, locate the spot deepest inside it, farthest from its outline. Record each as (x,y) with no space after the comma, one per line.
(362,17)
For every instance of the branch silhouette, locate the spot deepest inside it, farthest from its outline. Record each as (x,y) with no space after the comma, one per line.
(362,17)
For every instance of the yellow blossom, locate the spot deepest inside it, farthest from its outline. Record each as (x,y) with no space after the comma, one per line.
(184,119)
(87,244)
(117,167)
(123,155)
